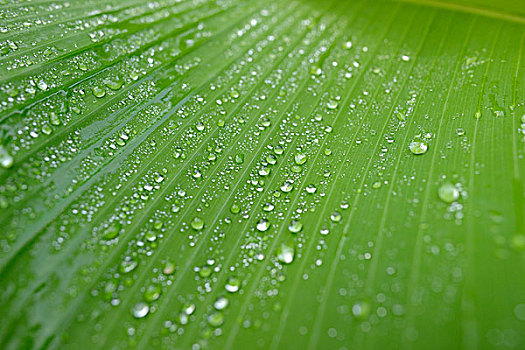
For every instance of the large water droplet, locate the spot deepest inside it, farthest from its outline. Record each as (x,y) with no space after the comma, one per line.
(216,319)
(300,158)
(221,303)
(287,186)
(336,216)
(418,146)
(295,226)
(263,225)
(233,285)
(361,310)
(197,224)
(140,310)
(6,160)
(286,253)
(152,293)
(448,193)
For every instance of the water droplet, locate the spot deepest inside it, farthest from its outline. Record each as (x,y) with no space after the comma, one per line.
(152,293)
(460,131)
(188,309)
(271,159)
(205,271)
(263,225)
(239,158)
(221,303)
(268,206)
(361,310)
(519,311)
(287,187)
(216,319)
(300,159)
(112,230)
(233,285)
(6,160)
(127,266)
(140,310)
(197,224)
(295,226)
(150,236)
(286,253)
(42,85)
(196,174)
(169,268)
(332,104)
(311,189)
(336,216)
(418,146)
(113,83)
(448,193)
(264,171)
(235,208)
(315,70)
(99,92)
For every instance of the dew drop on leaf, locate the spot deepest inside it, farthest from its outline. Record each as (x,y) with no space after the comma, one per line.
(300,158)
(197,223)
(336,216)
(418,147)
(295,226)
(448,193)
(216,319)
(233,285)
(221,303)
(140,310)
(263,225)
(6,160)
(286,253)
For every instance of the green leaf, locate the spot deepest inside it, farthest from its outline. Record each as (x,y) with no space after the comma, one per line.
(234,174)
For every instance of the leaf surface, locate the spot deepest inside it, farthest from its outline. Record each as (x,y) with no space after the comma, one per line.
(233,174)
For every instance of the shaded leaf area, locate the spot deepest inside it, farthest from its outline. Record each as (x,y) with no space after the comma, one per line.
(260,174)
